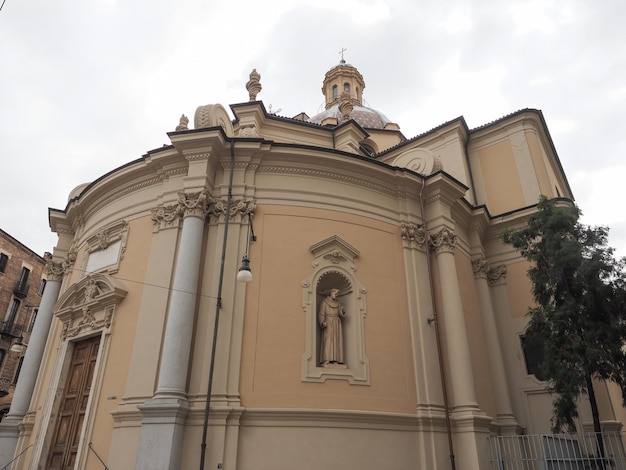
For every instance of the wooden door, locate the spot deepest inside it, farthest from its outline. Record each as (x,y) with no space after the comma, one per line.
(71,414)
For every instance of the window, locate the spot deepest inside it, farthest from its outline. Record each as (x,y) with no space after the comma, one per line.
(42,286)
(334,92)
(31,324)
(3,354)
(24,276)
(346,87)
(532,346)
(15,306)
(4,259)
(21,287)
(18,369)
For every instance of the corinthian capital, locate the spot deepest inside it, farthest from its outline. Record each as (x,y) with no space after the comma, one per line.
(497,275)
(443,241)
(166,215)
(238,208)
(480,266)
(55,270)
(193,204)
(413,233)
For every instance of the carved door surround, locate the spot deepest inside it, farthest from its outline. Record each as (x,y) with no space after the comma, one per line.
(333,267)
(66,437)
(87,311)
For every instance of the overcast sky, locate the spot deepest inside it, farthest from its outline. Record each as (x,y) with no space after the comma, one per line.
(87,86)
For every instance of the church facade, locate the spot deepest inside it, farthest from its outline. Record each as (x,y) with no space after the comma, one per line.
(382,326)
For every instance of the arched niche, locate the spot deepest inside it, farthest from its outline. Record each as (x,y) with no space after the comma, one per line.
(333,267)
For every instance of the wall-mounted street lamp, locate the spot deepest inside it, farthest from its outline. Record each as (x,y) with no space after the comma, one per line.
(18,347)
(244,274)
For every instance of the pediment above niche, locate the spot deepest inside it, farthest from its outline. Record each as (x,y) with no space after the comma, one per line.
(89,305)
(421,161)
(334,250)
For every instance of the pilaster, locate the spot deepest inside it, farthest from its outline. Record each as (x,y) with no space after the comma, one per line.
(506,419)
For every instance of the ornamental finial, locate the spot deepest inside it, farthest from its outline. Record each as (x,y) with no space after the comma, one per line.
(254,85)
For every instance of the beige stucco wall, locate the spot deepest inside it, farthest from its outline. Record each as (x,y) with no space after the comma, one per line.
(544,179)
(332,448)
(131,272)
(274,328)
(500,177)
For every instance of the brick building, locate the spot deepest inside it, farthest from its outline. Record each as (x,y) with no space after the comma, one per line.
(22,282)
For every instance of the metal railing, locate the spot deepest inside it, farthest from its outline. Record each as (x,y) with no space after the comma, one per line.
(591,451)
(98,456)
(21,289)
(5,385)
(15,458)
(10,329)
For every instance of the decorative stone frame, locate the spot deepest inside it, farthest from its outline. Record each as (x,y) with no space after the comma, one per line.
(86,309)
(333,267)
(107,239)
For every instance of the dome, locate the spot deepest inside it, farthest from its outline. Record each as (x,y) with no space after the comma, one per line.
(343,92)
(367,118)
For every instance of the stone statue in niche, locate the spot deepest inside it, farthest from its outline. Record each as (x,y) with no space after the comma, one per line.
(330,317)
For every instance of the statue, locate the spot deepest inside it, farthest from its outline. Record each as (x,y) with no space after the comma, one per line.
(330,318)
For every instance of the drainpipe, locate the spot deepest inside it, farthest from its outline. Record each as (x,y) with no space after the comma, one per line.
(435,321)
(218,306)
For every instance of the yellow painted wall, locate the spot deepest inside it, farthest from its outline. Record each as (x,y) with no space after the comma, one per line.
(501,179)
(539,164)
(123,331)
(274,329)
(519,288)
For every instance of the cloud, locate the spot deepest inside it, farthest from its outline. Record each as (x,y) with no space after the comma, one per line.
(90,86)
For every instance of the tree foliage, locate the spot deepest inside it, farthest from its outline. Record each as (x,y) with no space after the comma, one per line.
(580,313)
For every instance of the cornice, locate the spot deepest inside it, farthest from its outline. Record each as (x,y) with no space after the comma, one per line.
(334,175)
(297,417)
(442,188)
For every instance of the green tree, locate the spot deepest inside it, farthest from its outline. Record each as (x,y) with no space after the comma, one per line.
(580,313)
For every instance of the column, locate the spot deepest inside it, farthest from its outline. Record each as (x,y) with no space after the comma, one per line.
(9,428)
(506,418)
(456,343)
(164,415)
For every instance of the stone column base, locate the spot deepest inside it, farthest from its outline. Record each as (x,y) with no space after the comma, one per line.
(9,435)
(162,429)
